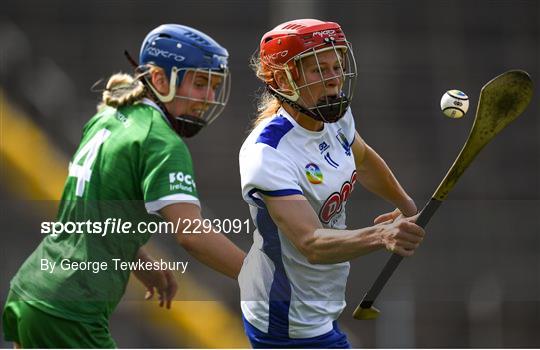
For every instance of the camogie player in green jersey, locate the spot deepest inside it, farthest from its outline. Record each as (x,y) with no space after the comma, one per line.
(131,165)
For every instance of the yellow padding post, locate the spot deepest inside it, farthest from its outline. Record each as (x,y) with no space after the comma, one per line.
(31,164)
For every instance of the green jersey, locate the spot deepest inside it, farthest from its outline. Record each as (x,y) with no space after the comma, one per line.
(130,164)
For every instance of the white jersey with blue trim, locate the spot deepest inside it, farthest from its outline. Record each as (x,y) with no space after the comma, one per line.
(282,294)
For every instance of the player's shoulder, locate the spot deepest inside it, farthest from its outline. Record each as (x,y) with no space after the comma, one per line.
(146,115)
(272,132)
(265,147)
(134,119)
(155,127)
(142,123)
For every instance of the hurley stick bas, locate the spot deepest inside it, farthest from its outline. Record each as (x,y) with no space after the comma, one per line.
(501,101)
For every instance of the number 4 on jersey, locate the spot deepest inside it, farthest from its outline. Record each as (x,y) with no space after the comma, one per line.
(89,152)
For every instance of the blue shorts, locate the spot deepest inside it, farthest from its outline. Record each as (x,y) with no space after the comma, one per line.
(334,339)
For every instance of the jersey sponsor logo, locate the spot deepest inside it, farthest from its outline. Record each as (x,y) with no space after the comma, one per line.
(154,51)
(343,142)
(334,202)
(314,174)
(181,181)
(322,33)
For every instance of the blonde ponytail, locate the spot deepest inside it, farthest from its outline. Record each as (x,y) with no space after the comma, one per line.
(267,106)
(121,90)
(124,89)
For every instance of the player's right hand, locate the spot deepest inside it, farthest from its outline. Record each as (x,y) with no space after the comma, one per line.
(402,236)
(166,288)
(161,281)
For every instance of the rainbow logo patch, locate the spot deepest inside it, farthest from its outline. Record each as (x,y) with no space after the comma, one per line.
(314,174)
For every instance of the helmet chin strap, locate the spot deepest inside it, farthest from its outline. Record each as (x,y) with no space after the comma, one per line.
(332,111)
(187,125)
(335,109)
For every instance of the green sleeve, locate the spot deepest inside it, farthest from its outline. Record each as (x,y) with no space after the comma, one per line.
(167,169)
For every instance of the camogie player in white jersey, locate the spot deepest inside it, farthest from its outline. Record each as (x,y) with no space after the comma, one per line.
(298,167)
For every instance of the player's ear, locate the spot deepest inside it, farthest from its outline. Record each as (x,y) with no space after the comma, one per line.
(282,81)
(160,81)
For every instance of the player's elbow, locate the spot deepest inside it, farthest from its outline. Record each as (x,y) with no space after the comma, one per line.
(308,248)
(315,258)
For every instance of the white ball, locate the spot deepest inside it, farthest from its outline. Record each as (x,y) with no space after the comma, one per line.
(454,104)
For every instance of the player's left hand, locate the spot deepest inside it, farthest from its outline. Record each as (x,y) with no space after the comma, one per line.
(160,280)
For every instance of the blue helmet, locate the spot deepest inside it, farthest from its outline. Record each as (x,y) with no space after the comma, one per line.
(177,49)
(175,45)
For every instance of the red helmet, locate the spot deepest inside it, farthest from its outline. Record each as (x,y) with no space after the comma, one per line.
(283,46)
(295,37)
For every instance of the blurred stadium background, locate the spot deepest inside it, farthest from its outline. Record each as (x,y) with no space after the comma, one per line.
(476,280)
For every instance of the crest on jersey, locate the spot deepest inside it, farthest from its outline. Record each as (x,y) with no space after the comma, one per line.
(314,174)
(343,141)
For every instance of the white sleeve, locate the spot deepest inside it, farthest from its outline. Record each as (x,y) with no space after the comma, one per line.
(263,169)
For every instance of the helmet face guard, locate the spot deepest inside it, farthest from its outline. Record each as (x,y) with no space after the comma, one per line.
(329,108)
(285,49)
(213,105)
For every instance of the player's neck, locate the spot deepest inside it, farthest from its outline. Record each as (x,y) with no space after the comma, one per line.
(304,120)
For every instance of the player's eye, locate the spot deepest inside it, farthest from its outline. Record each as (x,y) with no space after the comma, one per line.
(200,84)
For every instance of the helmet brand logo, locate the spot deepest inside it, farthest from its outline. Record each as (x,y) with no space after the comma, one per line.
(154,51)
(324,33)
(279,54)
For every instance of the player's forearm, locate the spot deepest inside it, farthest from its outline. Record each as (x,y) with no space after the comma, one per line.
(296,219)
(211,248)
(375,175)
(329,246)
(215,251)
